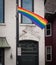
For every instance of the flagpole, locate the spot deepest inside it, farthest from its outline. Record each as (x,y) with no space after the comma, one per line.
(17,29)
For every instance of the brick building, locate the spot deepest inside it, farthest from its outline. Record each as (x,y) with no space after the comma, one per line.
(50,39)
(50,32)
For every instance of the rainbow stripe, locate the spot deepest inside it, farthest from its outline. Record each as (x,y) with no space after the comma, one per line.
(38,20)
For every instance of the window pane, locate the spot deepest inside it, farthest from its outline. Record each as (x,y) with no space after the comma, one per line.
(27,4)
(25,20)
(48,26)
(0,59)
(49,57)
(48,53)
(1,11)
(49,50)
(48,32)
(1,56)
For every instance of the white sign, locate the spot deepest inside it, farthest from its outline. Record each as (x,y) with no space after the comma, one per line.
(19,51)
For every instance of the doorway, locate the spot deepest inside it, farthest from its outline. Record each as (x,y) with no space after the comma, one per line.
(29,53)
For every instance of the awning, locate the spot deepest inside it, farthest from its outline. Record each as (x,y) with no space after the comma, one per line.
(4,43)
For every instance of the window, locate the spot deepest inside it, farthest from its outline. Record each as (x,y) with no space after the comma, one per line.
(1,11)
(1,56)
(27,4)
(48,53)
(48,31)
(28,46)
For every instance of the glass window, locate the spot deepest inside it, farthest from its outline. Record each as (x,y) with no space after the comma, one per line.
(1,56)
(1,11)
(27,4)
(48,53)
(48,31)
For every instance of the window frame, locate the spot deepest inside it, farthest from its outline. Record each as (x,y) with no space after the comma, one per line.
(46,53)
(32,11)
(49,29)
(3,11)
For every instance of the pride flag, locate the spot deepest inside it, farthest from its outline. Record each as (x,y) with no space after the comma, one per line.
(37,19)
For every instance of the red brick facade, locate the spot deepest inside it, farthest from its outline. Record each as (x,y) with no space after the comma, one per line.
(52,41)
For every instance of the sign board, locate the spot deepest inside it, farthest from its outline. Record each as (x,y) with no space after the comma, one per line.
(19,51)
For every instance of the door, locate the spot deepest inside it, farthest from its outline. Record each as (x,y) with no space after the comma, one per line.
(1,56)
(29,53)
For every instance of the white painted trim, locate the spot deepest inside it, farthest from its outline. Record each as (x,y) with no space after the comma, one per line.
(33,25)
(2,24)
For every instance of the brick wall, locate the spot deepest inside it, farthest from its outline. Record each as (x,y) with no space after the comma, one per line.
(52,41)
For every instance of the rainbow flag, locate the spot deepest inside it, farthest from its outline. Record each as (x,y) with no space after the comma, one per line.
(38,20)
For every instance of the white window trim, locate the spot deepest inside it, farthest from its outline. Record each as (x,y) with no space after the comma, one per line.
(2,24)
(50,31)
(48,53)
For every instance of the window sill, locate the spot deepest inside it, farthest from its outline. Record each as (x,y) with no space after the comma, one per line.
(33,25)
(2,24)
(49,60)
(48,35)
